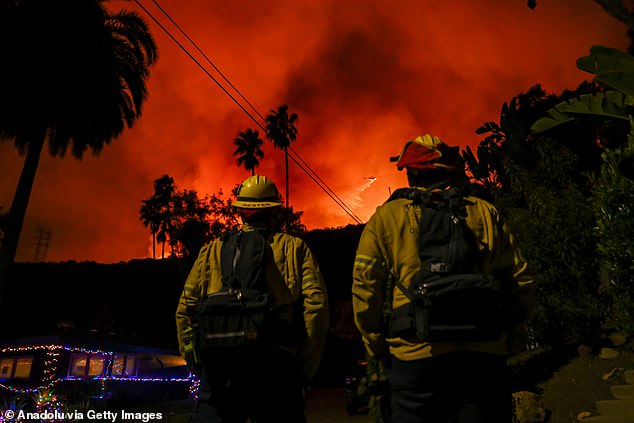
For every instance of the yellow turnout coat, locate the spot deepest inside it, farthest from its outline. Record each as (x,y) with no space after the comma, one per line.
(292,277)
(389,246)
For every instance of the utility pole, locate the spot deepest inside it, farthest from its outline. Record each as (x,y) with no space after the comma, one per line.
(42,240)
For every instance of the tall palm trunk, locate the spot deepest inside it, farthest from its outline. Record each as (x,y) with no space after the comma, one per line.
(17,211)
(286,162)
(154,245)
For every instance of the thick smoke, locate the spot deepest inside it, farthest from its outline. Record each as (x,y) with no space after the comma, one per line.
(363,77)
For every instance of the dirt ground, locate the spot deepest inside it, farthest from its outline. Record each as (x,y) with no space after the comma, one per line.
(571,382)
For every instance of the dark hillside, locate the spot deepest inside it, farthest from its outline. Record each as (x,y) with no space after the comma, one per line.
(128,302)
(334,250)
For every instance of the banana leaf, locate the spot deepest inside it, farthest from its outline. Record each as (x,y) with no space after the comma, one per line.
(619,80)
(603,59)
(612,67)
(609,105)
(601,63)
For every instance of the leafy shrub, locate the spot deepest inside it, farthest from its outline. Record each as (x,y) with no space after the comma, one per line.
(554,228)
(614,206)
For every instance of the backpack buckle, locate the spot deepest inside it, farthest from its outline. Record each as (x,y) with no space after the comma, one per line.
(438,267)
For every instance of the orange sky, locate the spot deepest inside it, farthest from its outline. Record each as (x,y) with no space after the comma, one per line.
(363,76)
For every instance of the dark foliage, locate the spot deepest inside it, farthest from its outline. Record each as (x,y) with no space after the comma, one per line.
(334,250)
(543,185)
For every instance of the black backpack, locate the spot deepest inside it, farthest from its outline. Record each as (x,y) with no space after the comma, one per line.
(448,302)
(241,313)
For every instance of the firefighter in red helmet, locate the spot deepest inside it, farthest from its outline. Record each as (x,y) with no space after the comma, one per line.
(435,379)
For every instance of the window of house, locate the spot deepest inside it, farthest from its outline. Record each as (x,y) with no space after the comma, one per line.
(15,367)
(95,366)
(124,365)
(86,365)
(6,368)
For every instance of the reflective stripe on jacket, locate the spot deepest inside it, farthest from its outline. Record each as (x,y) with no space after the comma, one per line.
(389,246)
(294,276)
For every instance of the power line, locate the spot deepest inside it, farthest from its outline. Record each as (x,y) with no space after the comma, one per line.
(328,192)
(343,205)
(194,59)
(292,154)
(206,58)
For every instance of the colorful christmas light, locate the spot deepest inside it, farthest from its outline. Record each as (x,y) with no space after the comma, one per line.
(51,364)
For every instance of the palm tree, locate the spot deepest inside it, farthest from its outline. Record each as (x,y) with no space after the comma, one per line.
(165,202)
(248,149)
(76,77)
(280,128)
(151,217)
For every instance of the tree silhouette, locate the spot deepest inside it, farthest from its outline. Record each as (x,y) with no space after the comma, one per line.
(190,225)
(281,130)
(150,216)
(158,211)
(188,221)
(289,221)
(248,149)
(185,220)
(76,79)
(223,215)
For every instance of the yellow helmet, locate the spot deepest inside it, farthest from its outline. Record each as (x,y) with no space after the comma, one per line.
(428,152)
(257,192)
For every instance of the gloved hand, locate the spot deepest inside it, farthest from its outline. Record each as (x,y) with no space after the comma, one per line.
(189,349)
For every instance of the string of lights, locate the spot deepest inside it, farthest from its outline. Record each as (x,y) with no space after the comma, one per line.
(294,155)
(51,378)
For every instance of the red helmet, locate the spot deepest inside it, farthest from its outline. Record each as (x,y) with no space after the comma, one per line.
(428,152)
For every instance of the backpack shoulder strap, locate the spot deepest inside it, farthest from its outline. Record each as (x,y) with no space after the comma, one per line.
(249,265)
(205,274)
(450,198)
(418,195)
(228,255)
(402,193)
(446,243)
(242,260)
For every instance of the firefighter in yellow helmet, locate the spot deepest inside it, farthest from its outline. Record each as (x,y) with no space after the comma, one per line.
(437,379)
(264,384)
